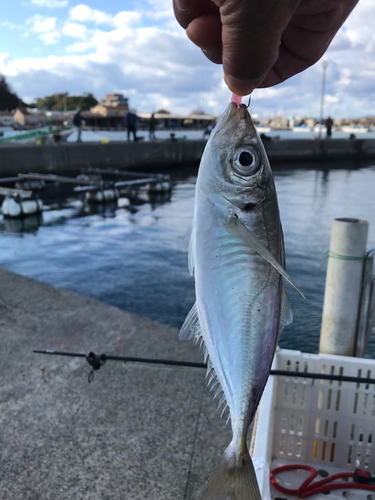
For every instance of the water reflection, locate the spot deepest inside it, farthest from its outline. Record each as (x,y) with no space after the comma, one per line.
(27,225)
(131,254)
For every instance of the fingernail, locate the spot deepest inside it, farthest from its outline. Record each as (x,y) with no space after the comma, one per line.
(239,87)
(182,4)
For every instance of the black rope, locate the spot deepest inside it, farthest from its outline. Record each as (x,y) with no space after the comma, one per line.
(98,360)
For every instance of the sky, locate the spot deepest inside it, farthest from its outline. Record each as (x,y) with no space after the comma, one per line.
(137,48)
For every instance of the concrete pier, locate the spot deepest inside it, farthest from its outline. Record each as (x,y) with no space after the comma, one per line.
(136,432)
(18,158)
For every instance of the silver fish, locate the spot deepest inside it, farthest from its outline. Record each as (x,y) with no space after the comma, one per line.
(237,256)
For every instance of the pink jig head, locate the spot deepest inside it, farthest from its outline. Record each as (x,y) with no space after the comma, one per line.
(237,99)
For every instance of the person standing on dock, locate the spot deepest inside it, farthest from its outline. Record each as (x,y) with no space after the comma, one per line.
(329,125)
(78,122)
(131,121)
(152,127)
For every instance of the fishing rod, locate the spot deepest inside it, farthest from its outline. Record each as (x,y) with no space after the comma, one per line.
(96,361)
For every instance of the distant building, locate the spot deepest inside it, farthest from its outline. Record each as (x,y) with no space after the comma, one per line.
(6,119)
(193,121)
(105,116)
(109,111)
(29,117)
(279,123)
(114,100)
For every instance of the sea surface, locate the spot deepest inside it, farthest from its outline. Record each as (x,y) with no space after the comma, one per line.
(134,256)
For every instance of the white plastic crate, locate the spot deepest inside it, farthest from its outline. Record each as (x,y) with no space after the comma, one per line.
(326,424)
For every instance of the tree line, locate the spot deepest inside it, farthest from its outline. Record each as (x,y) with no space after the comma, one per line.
(9,100)
(62,102)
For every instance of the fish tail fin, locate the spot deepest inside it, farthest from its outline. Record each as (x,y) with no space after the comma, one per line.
(234,479)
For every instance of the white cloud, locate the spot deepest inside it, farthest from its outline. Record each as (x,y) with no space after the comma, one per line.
(50,4)
(125,18)
(74,30)
(79,47)
(50,37)
(42,24)
(158,66)
(84,13)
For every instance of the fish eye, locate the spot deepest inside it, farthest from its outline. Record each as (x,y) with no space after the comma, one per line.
(245,161)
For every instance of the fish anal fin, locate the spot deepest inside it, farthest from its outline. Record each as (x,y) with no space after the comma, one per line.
(191,328)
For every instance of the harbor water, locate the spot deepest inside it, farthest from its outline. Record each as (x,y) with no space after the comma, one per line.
(133,254)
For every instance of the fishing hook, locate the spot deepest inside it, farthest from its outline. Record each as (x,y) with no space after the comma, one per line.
(248,104)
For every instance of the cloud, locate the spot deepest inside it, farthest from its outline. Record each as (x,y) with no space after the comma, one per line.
(147,56)
(125,18)
(74,30)
(45,27)
(50,37)
(84,13)
(41,24)
(50,4)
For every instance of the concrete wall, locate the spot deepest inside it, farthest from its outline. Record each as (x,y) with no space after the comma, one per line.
(18,158)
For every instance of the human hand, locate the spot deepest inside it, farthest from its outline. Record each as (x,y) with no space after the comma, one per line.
(262,42)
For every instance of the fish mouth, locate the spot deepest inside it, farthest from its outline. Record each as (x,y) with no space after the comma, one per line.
(232,117)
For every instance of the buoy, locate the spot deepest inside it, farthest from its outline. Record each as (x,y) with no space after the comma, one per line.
(18,207)
(166,186)
(155,188)
(101,196)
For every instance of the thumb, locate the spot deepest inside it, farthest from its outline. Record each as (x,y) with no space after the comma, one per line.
(251,36)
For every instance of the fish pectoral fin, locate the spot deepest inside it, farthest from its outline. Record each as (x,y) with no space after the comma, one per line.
(254,243)
(286,310)
(191,327)
(190,236)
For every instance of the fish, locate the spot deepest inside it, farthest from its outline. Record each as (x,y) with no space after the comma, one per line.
(236,254)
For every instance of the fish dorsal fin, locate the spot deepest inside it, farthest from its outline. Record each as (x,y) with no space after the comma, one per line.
(286,311)
(191,328)
(190,237)
(254,243)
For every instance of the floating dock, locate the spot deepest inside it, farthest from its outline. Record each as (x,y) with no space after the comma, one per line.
(70,157)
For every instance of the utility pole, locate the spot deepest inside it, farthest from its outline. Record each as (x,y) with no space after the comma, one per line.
(325,65)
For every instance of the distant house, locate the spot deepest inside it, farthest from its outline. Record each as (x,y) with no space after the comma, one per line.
(107,111)
(192,121)
(105,116)
(6,119)
(29,117)
(114,100)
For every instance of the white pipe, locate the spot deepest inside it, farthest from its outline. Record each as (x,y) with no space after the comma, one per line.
(343,287)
